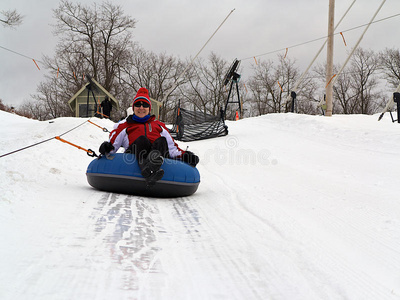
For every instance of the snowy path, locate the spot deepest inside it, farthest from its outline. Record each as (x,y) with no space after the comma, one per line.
(273,217)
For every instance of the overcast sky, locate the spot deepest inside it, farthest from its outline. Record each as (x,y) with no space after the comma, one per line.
(181,28)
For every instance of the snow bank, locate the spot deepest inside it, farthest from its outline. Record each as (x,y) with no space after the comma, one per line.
(289,207)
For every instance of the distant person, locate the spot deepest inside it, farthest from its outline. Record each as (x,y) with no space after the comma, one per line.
(107,107)
(149,139)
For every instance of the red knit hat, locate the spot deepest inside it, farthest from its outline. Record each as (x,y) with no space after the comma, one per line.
(142,95)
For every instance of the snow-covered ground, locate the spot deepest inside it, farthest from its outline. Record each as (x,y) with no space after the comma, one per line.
(289,207)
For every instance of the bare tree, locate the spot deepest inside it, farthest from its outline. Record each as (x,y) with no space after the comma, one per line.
(11,18)
(390,63)
(204,90)
(53,101)
(35,110)
(3,106)
(356,88)
(286,74)
(364,66)
(156,72)
(271,84)
(344,94)
(98,35)
(261,84)
(94,40)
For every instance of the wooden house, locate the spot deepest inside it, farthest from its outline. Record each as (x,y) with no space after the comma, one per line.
(84,105)
(155,107)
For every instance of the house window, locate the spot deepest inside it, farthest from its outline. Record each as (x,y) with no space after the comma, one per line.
(85,112)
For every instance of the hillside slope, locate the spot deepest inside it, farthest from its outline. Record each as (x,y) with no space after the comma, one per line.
(289,207)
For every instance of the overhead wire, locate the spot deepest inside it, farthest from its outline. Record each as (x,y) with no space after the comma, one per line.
(20,54)
(253,56)
(49,139)
(36,61)
(246,58)
(321,38)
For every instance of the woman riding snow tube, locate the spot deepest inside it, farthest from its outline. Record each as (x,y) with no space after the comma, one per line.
(150,143)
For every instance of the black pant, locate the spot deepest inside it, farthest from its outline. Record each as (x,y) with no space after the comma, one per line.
(142,146)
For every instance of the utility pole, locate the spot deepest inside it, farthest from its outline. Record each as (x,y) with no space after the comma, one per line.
(329,59)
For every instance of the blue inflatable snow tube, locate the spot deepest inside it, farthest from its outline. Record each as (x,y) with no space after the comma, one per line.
(120,173)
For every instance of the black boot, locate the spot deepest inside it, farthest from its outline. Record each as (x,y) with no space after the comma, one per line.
(151,167)
(151,164)
(149,159)
(154,177)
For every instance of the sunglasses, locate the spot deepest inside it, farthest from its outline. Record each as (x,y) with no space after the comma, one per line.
(140,103)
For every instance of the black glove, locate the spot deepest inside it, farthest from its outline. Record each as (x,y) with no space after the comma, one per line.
(190,158)
(106,147)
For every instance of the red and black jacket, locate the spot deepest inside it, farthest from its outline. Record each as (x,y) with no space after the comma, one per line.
(129,130)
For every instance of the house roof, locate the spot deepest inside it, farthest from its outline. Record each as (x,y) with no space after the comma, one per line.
(156,101)
(113,100)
